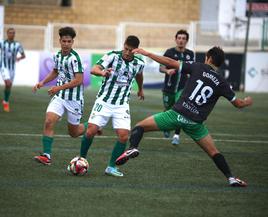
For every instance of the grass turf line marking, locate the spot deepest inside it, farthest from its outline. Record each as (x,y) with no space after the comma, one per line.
(146,138)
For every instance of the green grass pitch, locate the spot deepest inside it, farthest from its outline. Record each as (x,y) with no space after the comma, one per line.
(164,181)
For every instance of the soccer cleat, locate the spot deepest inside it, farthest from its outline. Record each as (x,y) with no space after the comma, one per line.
(166,134)
(123,158)
(43,159)
(113,171)
(175,140)
(5,106)
(235,182)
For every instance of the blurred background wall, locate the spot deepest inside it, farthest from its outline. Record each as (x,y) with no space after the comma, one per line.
(40,12)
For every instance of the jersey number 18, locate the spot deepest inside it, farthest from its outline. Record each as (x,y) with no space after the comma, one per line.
(205,93)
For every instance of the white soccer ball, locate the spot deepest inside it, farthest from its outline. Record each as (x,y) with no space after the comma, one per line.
(78,166)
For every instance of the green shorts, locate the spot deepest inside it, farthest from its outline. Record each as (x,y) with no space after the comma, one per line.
(171,120)
(169,99)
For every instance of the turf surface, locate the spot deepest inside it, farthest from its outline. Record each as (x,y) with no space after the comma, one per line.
(163,181)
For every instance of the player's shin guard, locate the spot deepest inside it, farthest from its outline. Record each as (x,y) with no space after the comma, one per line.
(136,136)
(222,165)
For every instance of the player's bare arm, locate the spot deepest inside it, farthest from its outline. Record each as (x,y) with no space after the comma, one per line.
(51,76)
(78,80)
(160,59)
(164,69)
(21,57)
(241,103)
(139,79)
(99,71)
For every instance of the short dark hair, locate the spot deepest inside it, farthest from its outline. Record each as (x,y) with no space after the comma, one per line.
(67,31)
(182,32)
(10,28)
(217,55)
(132,41)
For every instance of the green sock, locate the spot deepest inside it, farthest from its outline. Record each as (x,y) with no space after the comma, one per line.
(6,95)
(119,149)
(85,145)
(47,143)
(85,125)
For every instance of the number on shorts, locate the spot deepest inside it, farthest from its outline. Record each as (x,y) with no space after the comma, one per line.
(98,107)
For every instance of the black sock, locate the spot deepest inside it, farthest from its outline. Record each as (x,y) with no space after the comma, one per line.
(136,136)
(177,131)
(222,165)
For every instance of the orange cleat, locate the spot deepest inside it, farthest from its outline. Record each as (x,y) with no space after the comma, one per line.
(5,106)
(43,159)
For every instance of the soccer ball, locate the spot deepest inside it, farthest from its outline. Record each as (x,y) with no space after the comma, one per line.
(78,166)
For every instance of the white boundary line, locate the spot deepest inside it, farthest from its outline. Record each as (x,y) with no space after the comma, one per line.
(146,137)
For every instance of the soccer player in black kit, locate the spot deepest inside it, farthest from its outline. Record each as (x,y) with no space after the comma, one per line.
(175,82)
(198,98)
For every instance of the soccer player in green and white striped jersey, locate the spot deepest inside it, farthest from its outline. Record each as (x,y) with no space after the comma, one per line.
(9,50)
(67,95)
(119,69)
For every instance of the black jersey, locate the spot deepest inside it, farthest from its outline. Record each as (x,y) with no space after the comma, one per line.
(176,82)
(201,92)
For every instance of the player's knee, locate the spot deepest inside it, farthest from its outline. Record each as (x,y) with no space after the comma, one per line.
(214,153)
(123,138)
(73,134)
(49,123)
(8,84)
(90,133)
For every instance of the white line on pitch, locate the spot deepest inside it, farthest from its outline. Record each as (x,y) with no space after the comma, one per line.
(146,137)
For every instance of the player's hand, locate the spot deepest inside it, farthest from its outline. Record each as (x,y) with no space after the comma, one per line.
(248,100)
(18,59)
(140,51)
(107,72)
(53,90)
(37,86)
(171,71)
(140,94)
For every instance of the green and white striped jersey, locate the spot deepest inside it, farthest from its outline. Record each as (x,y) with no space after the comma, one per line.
(8,52)
(66,67)
(116,88)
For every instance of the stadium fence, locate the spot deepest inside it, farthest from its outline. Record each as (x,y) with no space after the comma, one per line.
(155,36)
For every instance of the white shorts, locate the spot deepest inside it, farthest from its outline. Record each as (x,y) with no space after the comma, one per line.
(102,112)
(7,74)
(74,109)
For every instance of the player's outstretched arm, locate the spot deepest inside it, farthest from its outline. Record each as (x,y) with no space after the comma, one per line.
(99,71)
(241,103)
(160,59)
(51,76)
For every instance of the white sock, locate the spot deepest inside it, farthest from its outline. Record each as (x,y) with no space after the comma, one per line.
(176,136)
(48,155)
